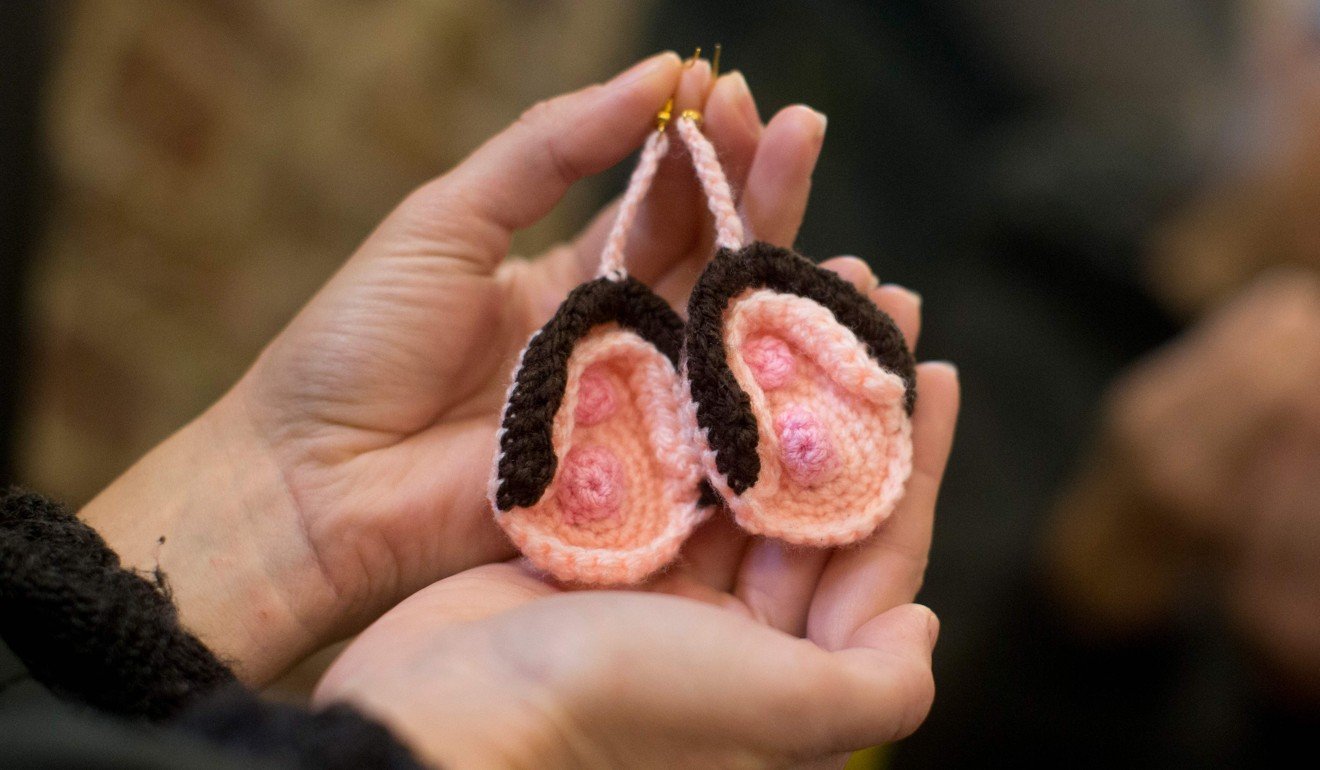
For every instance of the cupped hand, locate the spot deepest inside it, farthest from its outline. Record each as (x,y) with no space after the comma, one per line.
(746,653)
(347,468)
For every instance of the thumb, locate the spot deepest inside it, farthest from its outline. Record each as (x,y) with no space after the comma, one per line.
(517,177)
(888,661)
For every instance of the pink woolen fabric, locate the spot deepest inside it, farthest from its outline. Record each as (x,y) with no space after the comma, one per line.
(625,493)
(835,440)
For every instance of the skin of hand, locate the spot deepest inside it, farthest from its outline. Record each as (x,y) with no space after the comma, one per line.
(1211,461)
(347,468)
(747,653)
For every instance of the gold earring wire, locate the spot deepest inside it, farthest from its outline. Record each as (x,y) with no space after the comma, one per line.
(666,113)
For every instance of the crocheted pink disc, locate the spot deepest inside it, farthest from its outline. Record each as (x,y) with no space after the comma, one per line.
(771,361)
(835,442)
(626,486)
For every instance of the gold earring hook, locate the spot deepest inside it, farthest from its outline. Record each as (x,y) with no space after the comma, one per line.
(666,113)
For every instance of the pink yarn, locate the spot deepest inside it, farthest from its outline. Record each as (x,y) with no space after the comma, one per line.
(771,361)
(595,397)
(591,484)
(728,225)
(805,446)
(835,440)
(719,197)
(626,493)
(611,258)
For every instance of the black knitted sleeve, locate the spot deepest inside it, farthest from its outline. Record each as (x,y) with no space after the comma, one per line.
(93,632)
(86,628)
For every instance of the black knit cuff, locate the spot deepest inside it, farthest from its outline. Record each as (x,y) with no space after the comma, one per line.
(88,629)
(336,737)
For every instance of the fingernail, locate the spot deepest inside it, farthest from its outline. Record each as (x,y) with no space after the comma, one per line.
(743,97)
(871,280)
(915,297)
(824,122)
(645,68)
(951,366)
(933,628)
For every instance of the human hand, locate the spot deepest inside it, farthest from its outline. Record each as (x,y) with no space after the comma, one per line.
(1210,461)
(347,468)
(748,652)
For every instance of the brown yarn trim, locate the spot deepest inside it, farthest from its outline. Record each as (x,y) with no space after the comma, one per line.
(723,408)
(527,457)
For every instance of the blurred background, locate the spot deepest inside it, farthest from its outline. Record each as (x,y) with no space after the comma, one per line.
(1111,208)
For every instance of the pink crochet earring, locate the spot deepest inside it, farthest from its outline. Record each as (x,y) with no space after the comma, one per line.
(803,388)
(598,478)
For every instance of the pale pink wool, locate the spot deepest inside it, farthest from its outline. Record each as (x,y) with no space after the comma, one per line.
(625,493)
(835,441)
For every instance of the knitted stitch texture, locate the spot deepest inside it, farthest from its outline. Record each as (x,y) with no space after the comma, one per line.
(88,629)
(803,393)
(599,479)
(93,632)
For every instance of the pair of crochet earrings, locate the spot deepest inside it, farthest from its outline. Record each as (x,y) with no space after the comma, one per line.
(787,395)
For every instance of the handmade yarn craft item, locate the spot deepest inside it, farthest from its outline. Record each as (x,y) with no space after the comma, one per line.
(803,389)
(598,479)
(788,391)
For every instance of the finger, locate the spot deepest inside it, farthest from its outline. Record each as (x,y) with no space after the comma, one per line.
(669,217)
(733,125)
(779,182)
(784,698)
(902,305)
(776,581)
(878,689)
(890,659)
(853,270)
(514,179)
(887,569)
(713,552)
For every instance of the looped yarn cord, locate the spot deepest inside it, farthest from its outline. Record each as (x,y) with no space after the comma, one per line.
(728,225)
(611,258)
(729,231)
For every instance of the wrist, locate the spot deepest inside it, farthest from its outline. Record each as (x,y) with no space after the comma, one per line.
(207,512)
(475,710)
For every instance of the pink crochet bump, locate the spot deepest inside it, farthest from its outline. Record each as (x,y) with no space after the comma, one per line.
(806,447)
(771,361)
(835,441)
(595,396)
(625,491)
(591,485)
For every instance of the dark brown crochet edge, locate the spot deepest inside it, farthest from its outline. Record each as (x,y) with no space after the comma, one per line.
(527,457)
(723,409)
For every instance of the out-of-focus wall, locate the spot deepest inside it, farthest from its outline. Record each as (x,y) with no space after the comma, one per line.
(216,160)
